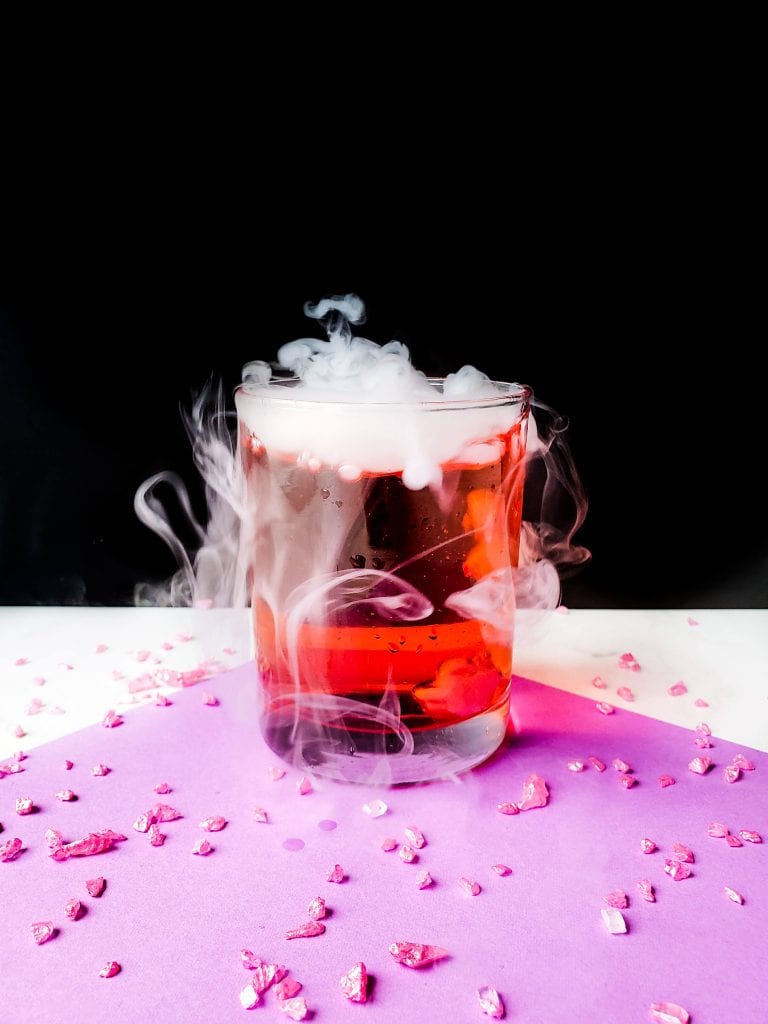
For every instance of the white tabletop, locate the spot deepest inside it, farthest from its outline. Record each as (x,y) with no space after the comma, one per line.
(96,659)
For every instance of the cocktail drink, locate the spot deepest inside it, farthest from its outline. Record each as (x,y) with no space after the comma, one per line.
(382,540)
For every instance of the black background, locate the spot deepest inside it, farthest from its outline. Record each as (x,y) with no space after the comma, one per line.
(633,323)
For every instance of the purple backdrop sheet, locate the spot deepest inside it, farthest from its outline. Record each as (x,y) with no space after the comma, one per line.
(176,922)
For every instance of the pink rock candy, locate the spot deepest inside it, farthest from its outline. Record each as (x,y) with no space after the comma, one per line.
(741,762)
(627,781)
(575,766)
(156,837)
(336,874)
(470,888)
(210,700)
(647,845)
(260,815)
(296,1009)
(162,788)
(599,682)
(407,854)
(535,793)
(354,984)
(100,769)
(666,780)
(375,808)
(304,785)
(596,763)
(645,889)
(213,824)
(617,899)
(287,989)
(733,840)
(111,720)
(414,954)
(750,836)
(731,773)
(605,709)
(110,969)
(628,661)
(700,765)
(490,1002)
(621,766)
(625,693)
(24,805)
(507,808)
(701,703)
(681,852)
(501,869)
(677,689)
(415,836)
(717,830)
(306,931)
(668,1013)
(317,908)
(275,773)
(65,795)
(613,919)
(249,997)
(424,880)
(95,886)
(732,894)
(69,765)
(73,909)
(42,931)
(202,848)
(677,869)
(389,844)
(163,812)
(9,850)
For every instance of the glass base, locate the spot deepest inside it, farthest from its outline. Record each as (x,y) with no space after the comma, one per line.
(385,758)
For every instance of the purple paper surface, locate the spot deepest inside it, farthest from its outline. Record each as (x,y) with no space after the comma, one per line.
(176,922)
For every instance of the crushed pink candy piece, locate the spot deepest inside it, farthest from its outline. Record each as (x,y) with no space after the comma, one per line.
(101,648)
(306,931)
(750,835)
(731,773)
(42,931)
(249,997)
(336,874)
(375,808)
(156,837)
(677,689)
(260,815)
(645,889)
(599,682)
(65,795)
(575,766)
(304,785)
(35,706)
(210,700)
(100,769)
(264,975)
(741,762)
(692,622)
(407,854)
(18,732)
(700,703)
(535,793)
(677,869)
(490,1002)
(625,693)
(605,709)
(202,848)
(93,843)
(617,899)
(733,841)
(354,984)
(415,954)
(627,781)
(163,812)
(596,763)
(69,765)
(53,838)
(213,824)
(424,880)
(142,823)
(9,850)
(700,765)
(95,886)
(470,888)
(162,788)
(21,661)
(111,720)
(703,742)
(287,989)
(704,729)
(275,773)
(24,805)
(681,852)
(629,661)
(717,830)
(161,701)
(647,845)
(249,961)
(666,780)
(732,894)
(73,909)
(621,766)
(613,919)
(316,908)
(415,837)
(507,808)
(296,1009)
(501,869)
(668,1013)
(389,844)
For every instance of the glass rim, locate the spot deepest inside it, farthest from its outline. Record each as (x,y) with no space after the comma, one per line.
(279,390)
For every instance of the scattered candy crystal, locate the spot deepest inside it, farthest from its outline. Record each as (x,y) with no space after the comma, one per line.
(618,899)
(703,742)
(287,989)
(9,850)
(750,835)
(424,880)
(202,847)
(72,909)
(645,889)
(304,785)
(69,764)
(24,805)
(733,840)
(732,894)
(741,762)
(53,838)
(260,815)
(681,852)
(275,773)
(621,766)
(535,793)
(215,823)
(163,812)
(354,984)
(142,823)
(596,763)
(470,888)
(248,960)
(415,837)
(731,773)
(575,766)
(668,1013)
(93,843)
(717,830)
(666,780)
(647,845)
(375,808)
(407,854)
(389,844)
(415,954)
(111,720)
(605,709)
(162,788)
(507,808)
(18,732)
(265,974)
(627,781)
(296,1009)
(701,703)
(156,837)
(95,886)
(100,769)
(501,869)
(628,661)
(42,931)
(210,700)
(700,765)
(613,919)
(161,700)
(625,693)
(249,997)
(490,1002)
(677,689)
(306,931)
(677,869)
(65,795)
(599,682)
(317,908)
(336,874)
(704,729)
